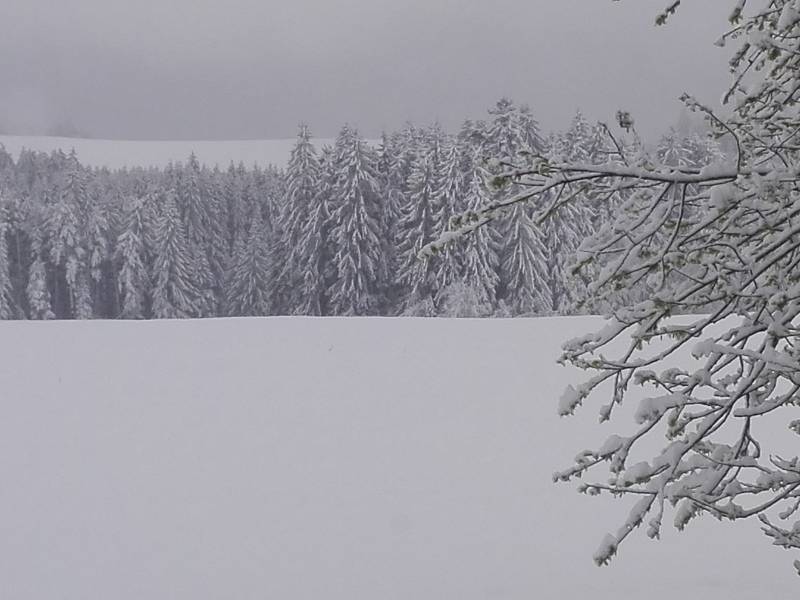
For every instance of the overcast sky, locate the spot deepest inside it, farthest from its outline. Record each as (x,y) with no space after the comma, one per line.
(213,69)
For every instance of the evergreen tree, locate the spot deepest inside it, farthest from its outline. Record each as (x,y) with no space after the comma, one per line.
(451,194)
(7,308)
(421,221)
(315,251)
(176,293)
(248,289)
(200,222)
(526,265)
(37,290)
(303,177)
(393,192)
(67,250)
(481,260)
(357,227)
(513,136)
(575,221)
(133,279)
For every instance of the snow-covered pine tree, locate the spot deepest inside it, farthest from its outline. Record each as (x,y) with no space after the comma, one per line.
(570,226)
(359,288)
(217,245)
(481,261)
(175,293)
(67,244)
(7,308)
(96,234)
(37,290)
(421,221)
(451,196)
(133,279)
(303,181)
(315,245)
(526,265)
(249,286)
(201,225)
(392,176)
(19,222)
(526,261)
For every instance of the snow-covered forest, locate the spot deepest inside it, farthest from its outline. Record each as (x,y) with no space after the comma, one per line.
(337,232)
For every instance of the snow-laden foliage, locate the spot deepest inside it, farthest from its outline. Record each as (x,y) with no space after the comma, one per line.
(303,178)
(422,219)
(176,293)
(99,256)
(720,240)
(357,227)
(133,277)
(6,289)
(248,285)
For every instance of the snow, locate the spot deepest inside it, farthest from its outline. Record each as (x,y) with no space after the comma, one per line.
(322,459)
(116,154)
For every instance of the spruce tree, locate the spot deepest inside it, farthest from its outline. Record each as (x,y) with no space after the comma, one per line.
(201,228)
(303,178)
(357,227)
(421,221)
(7,308)
(176,294)
(249,285)
(315,245)
(481,260)
(451,194)
(67,244)
(526,265)
(37,290)
(132,279)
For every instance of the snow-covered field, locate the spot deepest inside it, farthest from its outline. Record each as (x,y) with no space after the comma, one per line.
(334,459)
(116,154)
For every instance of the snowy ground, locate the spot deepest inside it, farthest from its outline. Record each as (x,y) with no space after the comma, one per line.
(117,154)
(336,459)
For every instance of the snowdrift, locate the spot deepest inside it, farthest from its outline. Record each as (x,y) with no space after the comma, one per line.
(325,459)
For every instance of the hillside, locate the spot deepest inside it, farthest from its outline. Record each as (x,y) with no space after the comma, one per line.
(328,459)
(116,154)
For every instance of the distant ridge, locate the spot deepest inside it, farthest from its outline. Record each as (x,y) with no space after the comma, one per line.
(116,154)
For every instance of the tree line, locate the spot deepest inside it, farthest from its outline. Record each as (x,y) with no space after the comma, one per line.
(338,232)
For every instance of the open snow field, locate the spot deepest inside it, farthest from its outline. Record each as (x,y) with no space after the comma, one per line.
(116,154)
(310,459)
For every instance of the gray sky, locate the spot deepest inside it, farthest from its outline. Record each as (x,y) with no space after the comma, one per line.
(208,69)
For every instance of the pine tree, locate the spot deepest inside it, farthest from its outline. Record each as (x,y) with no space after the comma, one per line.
(451,193)
(96,232)
(200,222)
(249,285)
(67,248)
(525,271)
(133,279)
(315,245)
(393,192)
(525,263)
(176,294)
(7,308)
(37,290)
(421,221)
(356,233)
(481,260)
(575,221)
(303,178)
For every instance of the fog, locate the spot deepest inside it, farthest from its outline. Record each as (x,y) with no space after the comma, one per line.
(203,69)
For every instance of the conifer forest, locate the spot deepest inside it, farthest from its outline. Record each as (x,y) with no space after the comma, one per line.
(337,232)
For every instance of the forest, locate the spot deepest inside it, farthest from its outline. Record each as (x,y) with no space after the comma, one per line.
(337,232)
